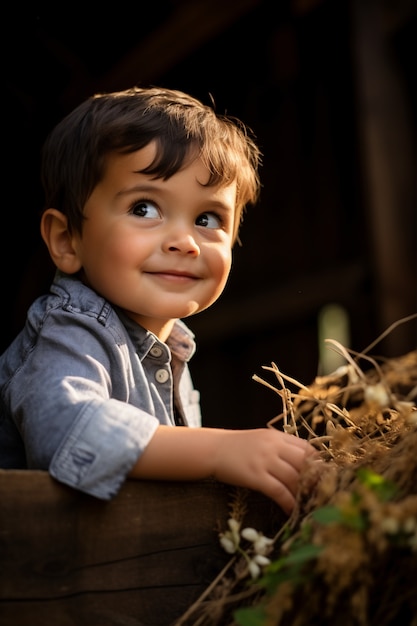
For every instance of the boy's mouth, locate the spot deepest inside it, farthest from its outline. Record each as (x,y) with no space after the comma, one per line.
(174,275)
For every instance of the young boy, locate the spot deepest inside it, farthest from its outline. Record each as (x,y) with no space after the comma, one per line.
(144,190)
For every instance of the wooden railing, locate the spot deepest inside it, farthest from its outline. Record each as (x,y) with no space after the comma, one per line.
(67,559)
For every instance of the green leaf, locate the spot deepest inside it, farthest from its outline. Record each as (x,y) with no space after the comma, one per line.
(253,616)
(327,515)
(289,568)
(297,556)
(383,488)
(352,518)
(355,520)
(303,554)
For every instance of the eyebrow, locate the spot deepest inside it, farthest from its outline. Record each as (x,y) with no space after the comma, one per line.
(136,188)
(147,187)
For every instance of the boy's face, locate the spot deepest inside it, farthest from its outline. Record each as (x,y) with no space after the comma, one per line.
(158,249)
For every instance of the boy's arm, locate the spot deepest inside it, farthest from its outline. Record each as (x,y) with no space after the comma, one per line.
(263,459)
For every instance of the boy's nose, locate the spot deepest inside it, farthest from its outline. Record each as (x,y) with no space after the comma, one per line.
(183,242)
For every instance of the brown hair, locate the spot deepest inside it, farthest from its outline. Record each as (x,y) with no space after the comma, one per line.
(74,154)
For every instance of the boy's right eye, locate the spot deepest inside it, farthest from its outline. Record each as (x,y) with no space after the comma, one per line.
(144,208)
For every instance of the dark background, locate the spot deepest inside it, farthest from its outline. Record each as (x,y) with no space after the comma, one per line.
(328,87)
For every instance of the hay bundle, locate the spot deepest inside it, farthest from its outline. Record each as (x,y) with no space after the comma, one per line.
(348,554)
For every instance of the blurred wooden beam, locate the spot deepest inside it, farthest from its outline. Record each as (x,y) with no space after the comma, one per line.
(388,164)
(191,25)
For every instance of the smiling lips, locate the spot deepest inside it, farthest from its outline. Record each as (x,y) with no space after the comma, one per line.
(174,276)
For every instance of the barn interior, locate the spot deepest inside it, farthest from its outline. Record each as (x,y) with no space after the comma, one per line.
(330,91)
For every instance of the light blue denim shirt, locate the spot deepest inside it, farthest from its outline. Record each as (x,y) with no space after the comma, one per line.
(83,389)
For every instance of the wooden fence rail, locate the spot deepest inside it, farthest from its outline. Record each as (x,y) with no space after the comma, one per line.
(67,559)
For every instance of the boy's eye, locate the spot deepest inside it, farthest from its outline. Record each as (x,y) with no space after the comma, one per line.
(208,220)
(144,208)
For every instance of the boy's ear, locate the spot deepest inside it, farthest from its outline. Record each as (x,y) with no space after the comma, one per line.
(54,231)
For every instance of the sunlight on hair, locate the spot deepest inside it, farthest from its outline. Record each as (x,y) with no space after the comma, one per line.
(333,323)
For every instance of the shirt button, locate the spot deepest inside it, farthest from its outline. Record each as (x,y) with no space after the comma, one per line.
(161,376)
(155,351)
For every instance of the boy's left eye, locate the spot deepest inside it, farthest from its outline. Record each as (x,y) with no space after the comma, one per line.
(208,220)
(145,208)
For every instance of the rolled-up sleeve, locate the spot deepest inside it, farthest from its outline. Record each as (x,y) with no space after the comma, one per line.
(101,447)
(82,404)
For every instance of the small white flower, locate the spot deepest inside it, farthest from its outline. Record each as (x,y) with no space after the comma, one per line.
(250,534)
(230,539)
(228,544)
(234,526)
(262,544)
(261,560)
(378,394)
(254,569)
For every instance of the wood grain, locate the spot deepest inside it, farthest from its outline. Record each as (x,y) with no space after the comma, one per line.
(142,558)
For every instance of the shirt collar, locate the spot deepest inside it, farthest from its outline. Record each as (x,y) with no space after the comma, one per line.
(180,341)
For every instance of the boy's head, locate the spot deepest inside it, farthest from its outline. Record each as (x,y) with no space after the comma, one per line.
(74,155)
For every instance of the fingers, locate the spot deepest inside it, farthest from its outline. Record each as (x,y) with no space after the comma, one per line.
(284,482)
(266,460)
(293,454)
(284,471)
(277,491)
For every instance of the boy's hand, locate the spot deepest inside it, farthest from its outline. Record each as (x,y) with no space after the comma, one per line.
(263,459)
(266,460)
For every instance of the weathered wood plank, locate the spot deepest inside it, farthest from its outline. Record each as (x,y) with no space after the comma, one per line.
(142,558)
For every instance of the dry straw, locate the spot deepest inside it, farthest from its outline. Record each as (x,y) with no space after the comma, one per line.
(348,553)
